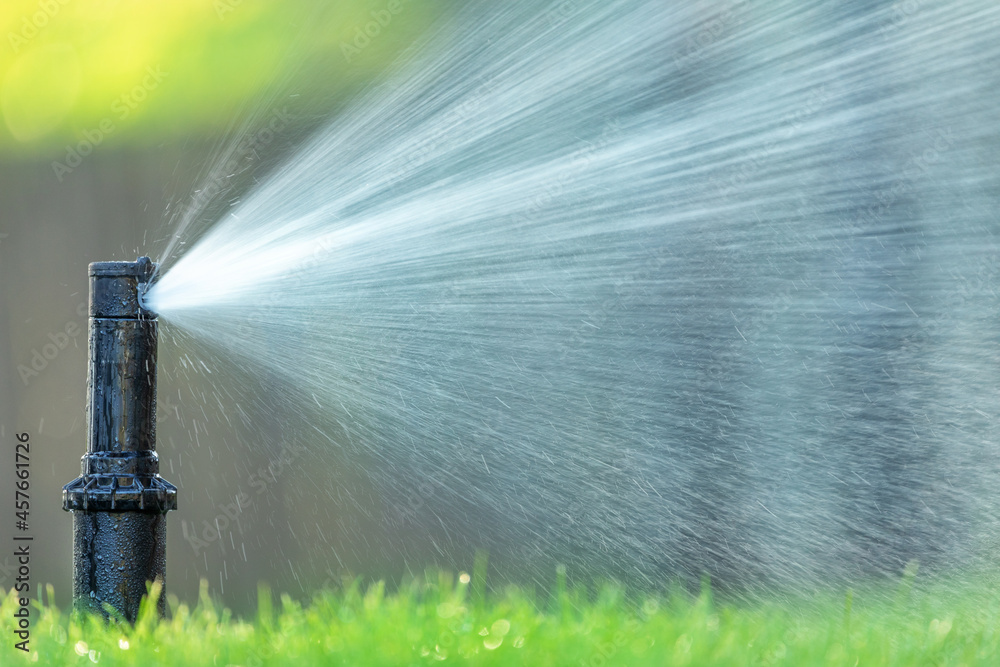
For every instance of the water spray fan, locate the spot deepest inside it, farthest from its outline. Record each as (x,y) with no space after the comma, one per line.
(119,503)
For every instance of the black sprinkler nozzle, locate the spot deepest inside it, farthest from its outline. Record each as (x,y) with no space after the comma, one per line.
(119,503)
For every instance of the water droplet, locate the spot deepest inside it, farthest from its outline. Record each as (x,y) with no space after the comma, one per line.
(500,628)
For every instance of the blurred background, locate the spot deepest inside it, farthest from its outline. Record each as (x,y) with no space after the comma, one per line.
(797,378)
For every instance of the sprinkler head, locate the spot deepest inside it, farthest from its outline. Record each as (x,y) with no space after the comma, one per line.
(117,288)
(120,502)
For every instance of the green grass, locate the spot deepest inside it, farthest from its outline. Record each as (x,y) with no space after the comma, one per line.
(439,619)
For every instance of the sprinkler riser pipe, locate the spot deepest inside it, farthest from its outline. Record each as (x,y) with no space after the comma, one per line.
(119,503)
(114,555)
